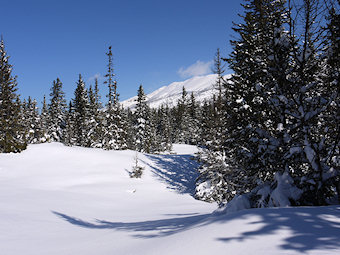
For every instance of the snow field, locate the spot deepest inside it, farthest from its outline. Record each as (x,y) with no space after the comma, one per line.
(61,200)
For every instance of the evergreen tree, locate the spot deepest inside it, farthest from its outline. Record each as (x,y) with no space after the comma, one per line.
(164,129)
(307,103)
(280,108)
(70,135)
(182,119)
(33,122)
(81,114)
(114,131)
(130,130)
(194,122)
(95,118)
(218,107)
(248,94)
(331,78)
(57,110)
(44,118)
(99,119)
(142,126)
(219,69)
(11,130)
(244,130)
(206,124)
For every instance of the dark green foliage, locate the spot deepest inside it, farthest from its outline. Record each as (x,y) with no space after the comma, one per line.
(113,131)
(44,118)
(95,121)
(34,130)
(182,119)
(143,128)
(81,111)
(281,106)
(57,110)
(12,131)
(164,128)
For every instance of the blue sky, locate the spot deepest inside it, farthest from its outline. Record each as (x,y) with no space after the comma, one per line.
(154,42)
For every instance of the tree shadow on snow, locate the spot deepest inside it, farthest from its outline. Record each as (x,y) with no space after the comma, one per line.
(178,172)
(148,229)
(307,228)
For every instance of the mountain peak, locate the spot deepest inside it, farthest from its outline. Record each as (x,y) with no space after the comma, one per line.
(201,86)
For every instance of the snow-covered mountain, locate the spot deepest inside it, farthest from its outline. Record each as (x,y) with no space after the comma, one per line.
(201,86)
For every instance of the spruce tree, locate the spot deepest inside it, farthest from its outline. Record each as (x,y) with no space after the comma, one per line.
(130,130)
(114,131)
(182,119)
(194,122)
(11,129)
(70,135)
(33,122)
(81,114)
(243,118)
(331,78)
(44,118)
(95,118)
(142,125)
(164,128)
(57,110)
(248,93)
(218,106)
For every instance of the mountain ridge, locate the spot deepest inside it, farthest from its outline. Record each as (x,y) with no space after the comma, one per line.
(201,86)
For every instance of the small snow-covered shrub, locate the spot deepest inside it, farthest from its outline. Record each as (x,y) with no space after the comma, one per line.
(137,170)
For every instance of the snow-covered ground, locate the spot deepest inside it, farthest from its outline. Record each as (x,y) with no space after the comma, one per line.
(70,200)
(202,87)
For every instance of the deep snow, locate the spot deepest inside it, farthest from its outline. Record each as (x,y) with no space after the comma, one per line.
(69,200)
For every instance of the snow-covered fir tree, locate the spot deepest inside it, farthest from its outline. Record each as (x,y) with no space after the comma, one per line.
(33,125)
(278,108)
(309,111)
(44,118)
(331,79)
(95,121)
(69,138)
(12,136)
(194,120)
(218,107)
(182,118)
(130,129)
(247,118)
(142,125)
(206,124)
(114,132)
(57,110)
(82,115)
(164,128)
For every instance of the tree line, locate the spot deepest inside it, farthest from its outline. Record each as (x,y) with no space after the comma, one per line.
(85,121)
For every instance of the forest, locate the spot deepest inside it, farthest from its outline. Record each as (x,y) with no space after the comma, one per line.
(272,129)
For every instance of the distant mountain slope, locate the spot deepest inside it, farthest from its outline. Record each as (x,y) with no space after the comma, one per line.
(202,86)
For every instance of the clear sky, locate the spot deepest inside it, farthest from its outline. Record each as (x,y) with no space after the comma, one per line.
(154,42)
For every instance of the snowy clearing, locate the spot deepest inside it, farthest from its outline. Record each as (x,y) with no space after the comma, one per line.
(70,200)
